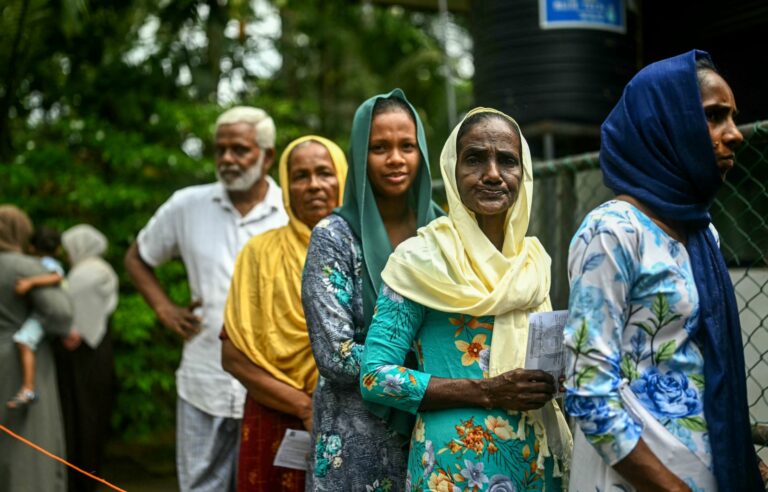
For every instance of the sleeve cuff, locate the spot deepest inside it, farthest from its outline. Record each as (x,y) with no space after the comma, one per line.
(606,425)
(390,386)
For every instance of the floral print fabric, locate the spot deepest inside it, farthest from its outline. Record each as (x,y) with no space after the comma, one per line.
(632,308)
(354,450)
(451,450)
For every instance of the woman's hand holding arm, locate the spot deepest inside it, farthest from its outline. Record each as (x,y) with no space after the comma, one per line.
(264,388)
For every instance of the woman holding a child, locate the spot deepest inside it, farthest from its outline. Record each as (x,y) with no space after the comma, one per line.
(22,467)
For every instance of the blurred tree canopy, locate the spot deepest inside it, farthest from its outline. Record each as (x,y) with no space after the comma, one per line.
(106,108)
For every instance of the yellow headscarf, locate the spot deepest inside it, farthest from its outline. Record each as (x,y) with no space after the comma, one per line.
(263,317)
(451,266)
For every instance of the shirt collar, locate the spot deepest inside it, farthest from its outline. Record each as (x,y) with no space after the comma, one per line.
(271,203)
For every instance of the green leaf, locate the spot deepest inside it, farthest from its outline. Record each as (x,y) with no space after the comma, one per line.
(586,375)
(695,424)
(581,337)
(644,326)
(698,380)
(670,319)
(629,368)
(660,306)
(602,439)
(666,351)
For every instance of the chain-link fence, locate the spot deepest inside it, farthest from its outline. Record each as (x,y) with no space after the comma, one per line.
(567,189)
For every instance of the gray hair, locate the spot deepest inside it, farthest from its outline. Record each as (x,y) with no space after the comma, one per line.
(258,118)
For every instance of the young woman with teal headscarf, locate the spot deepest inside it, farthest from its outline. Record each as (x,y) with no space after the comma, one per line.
(387,197)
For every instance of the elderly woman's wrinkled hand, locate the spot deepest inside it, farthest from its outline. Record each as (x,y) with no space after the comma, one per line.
(521,389)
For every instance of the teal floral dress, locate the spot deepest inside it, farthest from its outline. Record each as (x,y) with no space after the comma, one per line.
(633,306)
(354,450)
(460,449)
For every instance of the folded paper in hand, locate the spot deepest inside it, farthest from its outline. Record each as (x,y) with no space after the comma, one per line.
(546,344)
(294,450)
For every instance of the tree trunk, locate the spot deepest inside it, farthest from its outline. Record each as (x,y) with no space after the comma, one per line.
(6,142)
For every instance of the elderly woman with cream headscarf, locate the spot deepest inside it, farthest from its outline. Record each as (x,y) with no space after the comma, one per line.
(86,372)
(460,293)
(266,345)
(22,467)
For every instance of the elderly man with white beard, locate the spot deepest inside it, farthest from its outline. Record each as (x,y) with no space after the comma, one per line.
(206,226)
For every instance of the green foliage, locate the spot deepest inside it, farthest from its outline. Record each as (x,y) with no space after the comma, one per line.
(95,117)
(89,171)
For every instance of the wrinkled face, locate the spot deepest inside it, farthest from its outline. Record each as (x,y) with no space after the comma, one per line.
(314,187)
(489,167)
(240,162)
(393,154)
(720,109)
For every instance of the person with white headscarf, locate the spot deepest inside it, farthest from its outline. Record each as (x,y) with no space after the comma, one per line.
(459,294)
(86,373)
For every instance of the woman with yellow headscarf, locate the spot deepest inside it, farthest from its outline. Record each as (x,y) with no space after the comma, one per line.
(459,293)
(266,345)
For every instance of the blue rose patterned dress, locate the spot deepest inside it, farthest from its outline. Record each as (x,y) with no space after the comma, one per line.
(354,450)
(456,449)
(633,305)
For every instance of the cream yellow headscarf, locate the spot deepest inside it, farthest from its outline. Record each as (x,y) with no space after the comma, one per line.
(263,317)
(451,266)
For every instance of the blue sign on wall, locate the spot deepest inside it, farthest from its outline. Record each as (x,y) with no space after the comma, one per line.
(609,15)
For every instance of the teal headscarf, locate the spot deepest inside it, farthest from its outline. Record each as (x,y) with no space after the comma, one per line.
(360,209)
(362,214)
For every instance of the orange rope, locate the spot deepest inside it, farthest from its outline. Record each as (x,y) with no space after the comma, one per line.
(38,448)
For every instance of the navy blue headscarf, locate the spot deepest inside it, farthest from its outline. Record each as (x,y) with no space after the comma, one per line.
(656,148)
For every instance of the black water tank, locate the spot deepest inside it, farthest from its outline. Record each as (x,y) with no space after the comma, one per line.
(548,75)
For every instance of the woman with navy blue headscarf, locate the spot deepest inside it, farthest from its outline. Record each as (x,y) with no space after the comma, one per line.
(656,377)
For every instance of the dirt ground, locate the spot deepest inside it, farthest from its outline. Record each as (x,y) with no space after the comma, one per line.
(147,467)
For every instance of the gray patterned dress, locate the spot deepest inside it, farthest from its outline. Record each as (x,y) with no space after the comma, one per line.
(354,450)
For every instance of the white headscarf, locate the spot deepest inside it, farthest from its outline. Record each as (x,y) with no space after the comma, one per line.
(92,282)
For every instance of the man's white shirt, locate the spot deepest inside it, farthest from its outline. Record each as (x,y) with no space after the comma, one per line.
(200,225)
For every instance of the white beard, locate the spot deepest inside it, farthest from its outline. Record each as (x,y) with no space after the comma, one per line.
(246,179)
